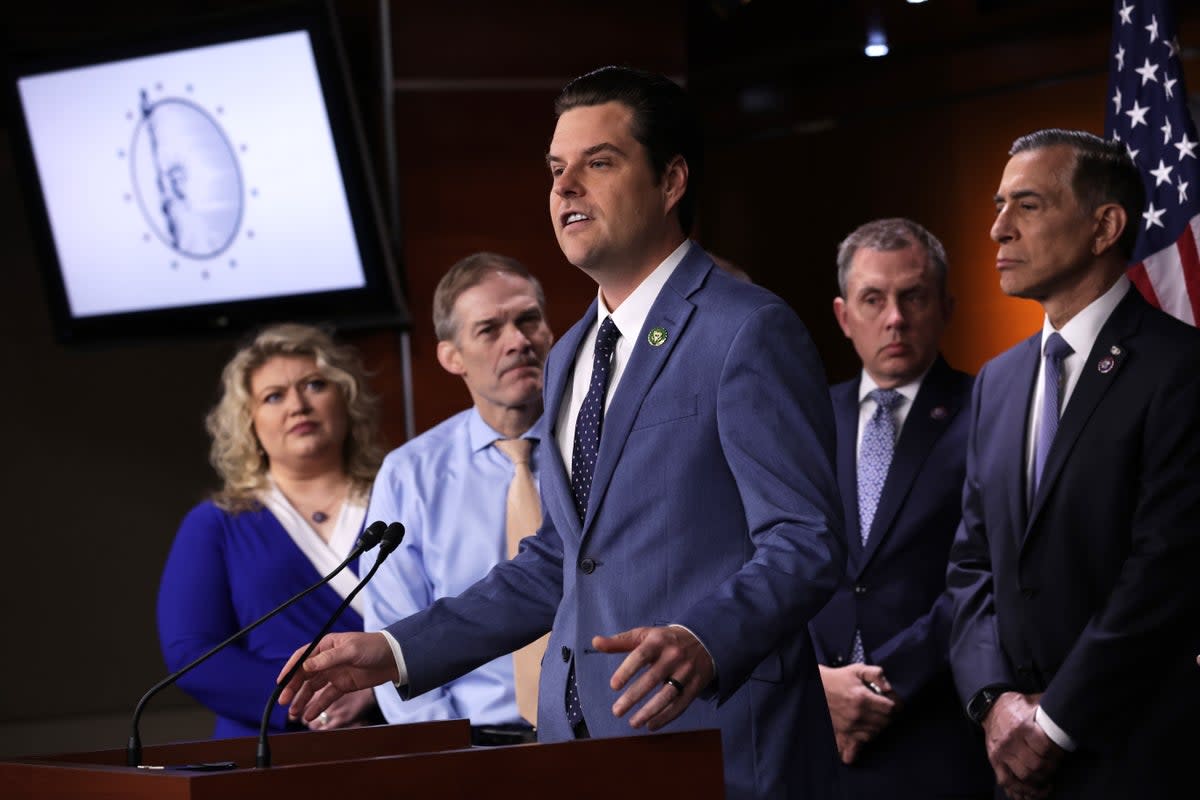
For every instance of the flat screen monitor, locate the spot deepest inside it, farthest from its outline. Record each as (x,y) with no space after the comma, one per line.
(210,179)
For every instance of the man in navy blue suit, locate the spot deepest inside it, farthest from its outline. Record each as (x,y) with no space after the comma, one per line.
(1074,570)
(692,522)
(882,641)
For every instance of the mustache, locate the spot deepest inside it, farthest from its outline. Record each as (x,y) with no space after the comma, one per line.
(517,362)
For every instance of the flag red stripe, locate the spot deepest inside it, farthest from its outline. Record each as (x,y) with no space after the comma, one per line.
(1189,259)
(1137,274)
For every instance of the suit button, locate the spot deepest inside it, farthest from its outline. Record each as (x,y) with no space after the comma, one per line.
(1028,592)
(588,565)
(860,589)
(566,654)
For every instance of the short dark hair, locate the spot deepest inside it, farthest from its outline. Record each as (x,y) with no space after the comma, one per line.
(466,274)
(1104,173)
(887,235)
(664,120)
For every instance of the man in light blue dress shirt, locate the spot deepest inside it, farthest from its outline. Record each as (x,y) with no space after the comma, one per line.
(449,485)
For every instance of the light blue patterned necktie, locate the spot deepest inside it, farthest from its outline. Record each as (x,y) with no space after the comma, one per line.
(874,460)
(875,456)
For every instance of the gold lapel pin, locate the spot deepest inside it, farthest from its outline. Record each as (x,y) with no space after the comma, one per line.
(657,337)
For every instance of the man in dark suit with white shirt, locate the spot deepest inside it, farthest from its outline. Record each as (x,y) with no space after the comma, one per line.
(1073,572)
(882,641)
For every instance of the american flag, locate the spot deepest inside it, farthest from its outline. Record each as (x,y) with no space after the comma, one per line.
(1148,111)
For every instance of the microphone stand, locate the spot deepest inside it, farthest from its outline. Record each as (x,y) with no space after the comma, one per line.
(391,540)
(133,750)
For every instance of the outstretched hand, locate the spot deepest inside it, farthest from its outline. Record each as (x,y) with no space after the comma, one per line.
(674,669)
(341,663)
(347,711)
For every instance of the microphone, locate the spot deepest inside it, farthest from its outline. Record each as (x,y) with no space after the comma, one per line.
(366,540)
(391,540)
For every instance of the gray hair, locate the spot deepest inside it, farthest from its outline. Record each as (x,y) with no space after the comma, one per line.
(895,233)
(467,273)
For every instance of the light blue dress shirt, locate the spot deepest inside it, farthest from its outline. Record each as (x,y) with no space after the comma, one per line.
(448,487)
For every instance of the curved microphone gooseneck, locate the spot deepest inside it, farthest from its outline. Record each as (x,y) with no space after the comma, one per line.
(390,541)
(366,540)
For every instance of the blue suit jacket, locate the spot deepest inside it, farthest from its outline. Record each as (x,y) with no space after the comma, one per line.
(713,505)
(1090,594)
(894,591)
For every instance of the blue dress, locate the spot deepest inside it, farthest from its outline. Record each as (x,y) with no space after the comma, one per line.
(225,571)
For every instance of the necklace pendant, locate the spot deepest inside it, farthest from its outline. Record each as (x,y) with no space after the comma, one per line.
(319,517)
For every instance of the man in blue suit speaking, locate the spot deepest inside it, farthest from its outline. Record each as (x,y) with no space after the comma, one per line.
(692,521)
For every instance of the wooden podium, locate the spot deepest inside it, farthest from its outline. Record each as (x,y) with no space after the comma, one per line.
(429,759)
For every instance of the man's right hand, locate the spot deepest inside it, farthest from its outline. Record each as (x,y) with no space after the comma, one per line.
(858,713)
(340,663)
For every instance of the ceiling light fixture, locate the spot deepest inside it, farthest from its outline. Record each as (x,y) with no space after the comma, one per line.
(876,44)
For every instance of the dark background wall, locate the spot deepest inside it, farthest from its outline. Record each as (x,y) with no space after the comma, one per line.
(106,449)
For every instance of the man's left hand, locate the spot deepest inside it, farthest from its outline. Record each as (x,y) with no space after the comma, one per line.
(1023,757)
(658,654)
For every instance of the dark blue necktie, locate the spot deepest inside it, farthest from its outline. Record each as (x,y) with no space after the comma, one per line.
(1056,350)
(591,417)
(583,458)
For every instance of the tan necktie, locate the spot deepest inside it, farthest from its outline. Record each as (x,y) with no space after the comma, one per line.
(522,518)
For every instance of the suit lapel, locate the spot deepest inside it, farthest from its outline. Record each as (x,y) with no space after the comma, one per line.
(845,409)
(1100,370)
(671,311)
(1012,417)
(933,409)
(556,489)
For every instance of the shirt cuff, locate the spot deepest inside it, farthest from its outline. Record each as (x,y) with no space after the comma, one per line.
(711,660)
(1056,734)
(401,669)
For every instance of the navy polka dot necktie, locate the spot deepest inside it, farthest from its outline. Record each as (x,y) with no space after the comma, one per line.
(583,459)
(591,417)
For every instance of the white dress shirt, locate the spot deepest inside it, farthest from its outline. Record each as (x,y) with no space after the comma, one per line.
(867,405)
(1080,332)
(629,318)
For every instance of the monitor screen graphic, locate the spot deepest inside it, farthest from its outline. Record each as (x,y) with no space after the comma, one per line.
(209,184)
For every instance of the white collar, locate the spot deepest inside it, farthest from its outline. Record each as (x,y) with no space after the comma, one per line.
(867,385)
(1082,330)
(325,557)
(631,315)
